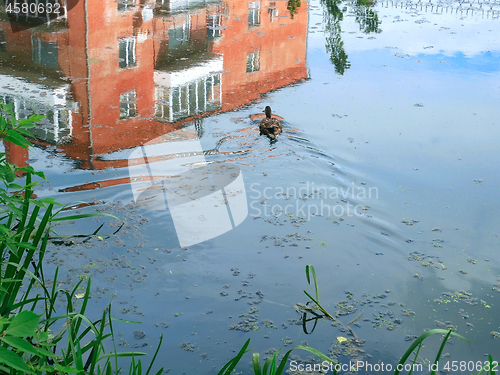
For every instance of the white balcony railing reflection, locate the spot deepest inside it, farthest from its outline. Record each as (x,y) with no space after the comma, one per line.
(29,98)
(188,92)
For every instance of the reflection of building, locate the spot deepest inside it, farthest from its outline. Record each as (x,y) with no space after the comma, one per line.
(56,128)
(116,75)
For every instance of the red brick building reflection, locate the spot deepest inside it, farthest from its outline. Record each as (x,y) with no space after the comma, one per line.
(118,75)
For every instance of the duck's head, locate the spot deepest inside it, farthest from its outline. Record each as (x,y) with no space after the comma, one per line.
(268,112)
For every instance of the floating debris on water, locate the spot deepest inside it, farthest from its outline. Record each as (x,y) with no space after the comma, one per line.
(463,314)
(188,347)
(268,324)
(236,271)
(248,322)
(409,222)
(139,335)
(347,348)
(460,296)
(426,260)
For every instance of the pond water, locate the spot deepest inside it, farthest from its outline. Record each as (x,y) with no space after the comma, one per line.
(384,178)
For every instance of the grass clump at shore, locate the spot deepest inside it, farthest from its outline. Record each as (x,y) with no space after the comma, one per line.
(34,337)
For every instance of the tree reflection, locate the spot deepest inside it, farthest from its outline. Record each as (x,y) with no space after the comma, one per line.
(292,6)
(366,17)
(333,15)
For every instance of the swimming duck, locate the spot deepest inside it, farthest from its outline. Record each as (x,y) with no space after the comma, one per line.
(270,126)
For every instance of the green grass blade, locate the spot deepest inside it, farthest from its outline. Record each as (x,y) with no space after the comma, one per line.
(11,269)
(440,351)
(272,370)
(99,338)
(121,354)
(31,224)
(125,321)
(415,359)
(493,365)
(283,363)
(84,304)
(256,364)
(154,357)
(229,367)
(43,225)
(310,268)
(81,216)
(421,338)
(269,362)
(316,352)
(113,335)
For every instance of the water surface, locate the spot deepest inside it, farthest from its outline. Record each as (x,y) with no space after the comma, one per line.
(384,177)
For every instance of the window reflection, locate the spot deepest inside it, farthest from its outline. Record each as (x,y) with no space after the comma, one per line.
(273,11)
(3,41)
(128,106)
(254,13)
(44,52)
(127,52)
(214,23)
(253,62)
(178,35)
(125,5)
